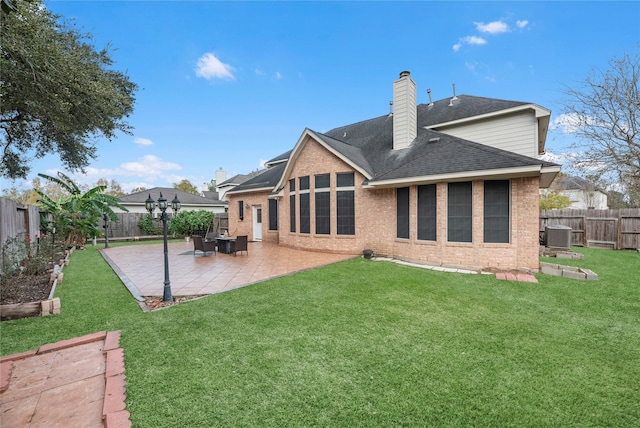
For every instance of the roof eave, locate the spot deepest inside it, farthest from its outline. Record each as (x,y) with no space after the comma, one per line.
(256,189)
(539,111)
(487,174)
(307,133)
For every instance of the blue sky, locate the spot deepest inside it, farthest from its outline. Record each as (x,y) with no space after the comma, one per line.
(232,84)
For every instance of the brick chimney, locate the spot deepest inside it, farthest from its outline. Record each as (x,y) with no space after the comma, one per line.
(405,115)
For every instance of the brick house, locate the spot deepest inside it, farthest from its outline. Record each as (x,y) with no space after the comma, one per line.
(452,182)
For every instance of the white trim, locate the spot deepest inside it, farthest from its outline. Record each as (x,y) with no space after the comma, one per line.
(302,141)
(539,111)
(257,189)
(487,174)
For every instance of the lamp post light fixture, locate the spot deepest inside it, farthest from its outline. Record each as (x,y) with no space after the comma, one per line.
(106,230)
(162,204)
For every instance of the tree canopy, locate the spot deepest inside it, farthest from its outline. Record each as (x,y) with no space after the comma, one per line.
(58,93)
(186,186)
(603,112)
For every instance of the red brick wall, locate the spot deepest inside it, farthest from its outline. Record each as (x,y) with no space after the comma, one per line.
(245,226)
(375,220)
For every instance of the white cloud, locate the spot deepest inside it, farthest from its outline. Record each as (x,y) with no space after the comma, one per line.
(142,141)
(148,166)
(278,75)
(522,24)
(210,67)
(495,27)
(469,40)
(258,72)
(568,123)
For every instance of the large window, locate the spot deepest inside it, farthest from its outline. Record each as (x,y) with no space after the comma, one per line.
(273,214)
(305,207)
(323,204)
(402,212)
(496,211)
(460,212)
(427,212)
(292,205)
(345,199)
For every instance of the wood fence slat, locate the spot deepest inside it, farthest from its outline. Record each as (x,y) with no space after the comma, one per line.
(617,228)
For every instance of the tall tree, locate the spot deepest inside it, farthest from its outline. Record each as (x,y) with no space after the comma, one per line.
(603,112)
(113,188)
(186,186)
(58,93)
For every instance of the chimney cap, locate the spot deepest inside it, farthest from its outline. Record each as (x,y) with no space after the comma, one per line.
(404,73)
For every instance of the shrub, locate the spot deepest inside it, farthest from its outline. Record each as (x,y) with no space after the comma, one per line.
(186,223)
(148,227)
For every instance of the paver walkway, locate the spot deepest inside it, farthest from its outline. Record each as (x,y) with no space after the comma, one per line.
(77,383)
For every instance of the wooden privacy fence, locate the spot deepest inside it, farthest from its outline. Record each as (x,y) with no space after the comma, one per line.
(128,225)
(18,221)
(614,229)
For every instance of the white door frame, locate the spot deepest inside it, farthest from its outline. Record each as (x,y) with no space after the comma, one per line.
(257,226)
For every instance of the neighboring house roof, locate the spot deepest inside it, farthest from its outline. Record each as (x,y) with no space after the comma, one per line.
(185,198)
(240,178)
(209,194)
(367,146)
(573,183)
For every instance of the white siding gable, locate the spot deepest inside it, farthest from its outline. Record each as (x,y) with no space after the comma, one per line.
(516,133)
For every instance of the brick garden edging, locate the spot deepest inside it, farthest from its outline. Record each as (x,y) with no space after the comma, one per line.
(568,271)
(114,414)
(43,308)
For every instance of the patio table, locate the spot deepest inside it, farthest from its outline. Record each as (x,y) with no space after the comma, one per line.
(224,244)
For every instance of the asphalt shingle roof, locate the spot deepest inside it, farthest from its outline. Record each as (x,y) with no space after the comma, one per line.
(369,144)
(169,194)
(267,179)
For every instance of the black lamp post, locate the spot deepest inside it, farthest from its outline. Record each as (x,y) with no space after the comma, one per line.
(106,230)
(162,204)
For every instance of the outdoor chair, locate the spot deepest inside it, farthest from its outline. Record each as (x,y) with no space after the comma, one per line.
(240,244)
(199,244)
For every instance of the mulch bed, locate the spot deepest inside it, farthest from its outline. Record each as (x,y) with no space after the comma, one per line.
(155,302)
(25,289)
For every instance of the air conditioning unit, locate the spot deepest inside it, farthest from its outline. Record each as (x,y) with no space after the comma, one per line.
(558,237)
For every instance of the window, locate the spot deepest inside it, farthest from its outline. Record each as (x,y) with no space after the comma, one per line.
(273,214)
(305,225)
(292,205)
(241,210)
(305,207)
(427,212)
(304,183)
(323,204)
(402,212)
(345,200)
(460,212)
(496,211)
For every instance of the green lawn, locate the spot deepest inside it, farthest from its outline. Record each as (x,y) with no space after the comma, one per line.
(365,343)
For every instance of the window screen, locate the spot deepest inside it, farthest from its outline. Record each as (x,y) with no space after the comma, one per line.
(345,200)
(273,214)
(304,183)
(427,212)
(305,226)
(460,212)
(344,179)
(402,212)
(496,211)
(322,181)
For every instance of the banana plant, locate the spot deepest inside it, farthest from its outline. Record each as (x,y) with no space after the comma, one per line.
(76,215)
